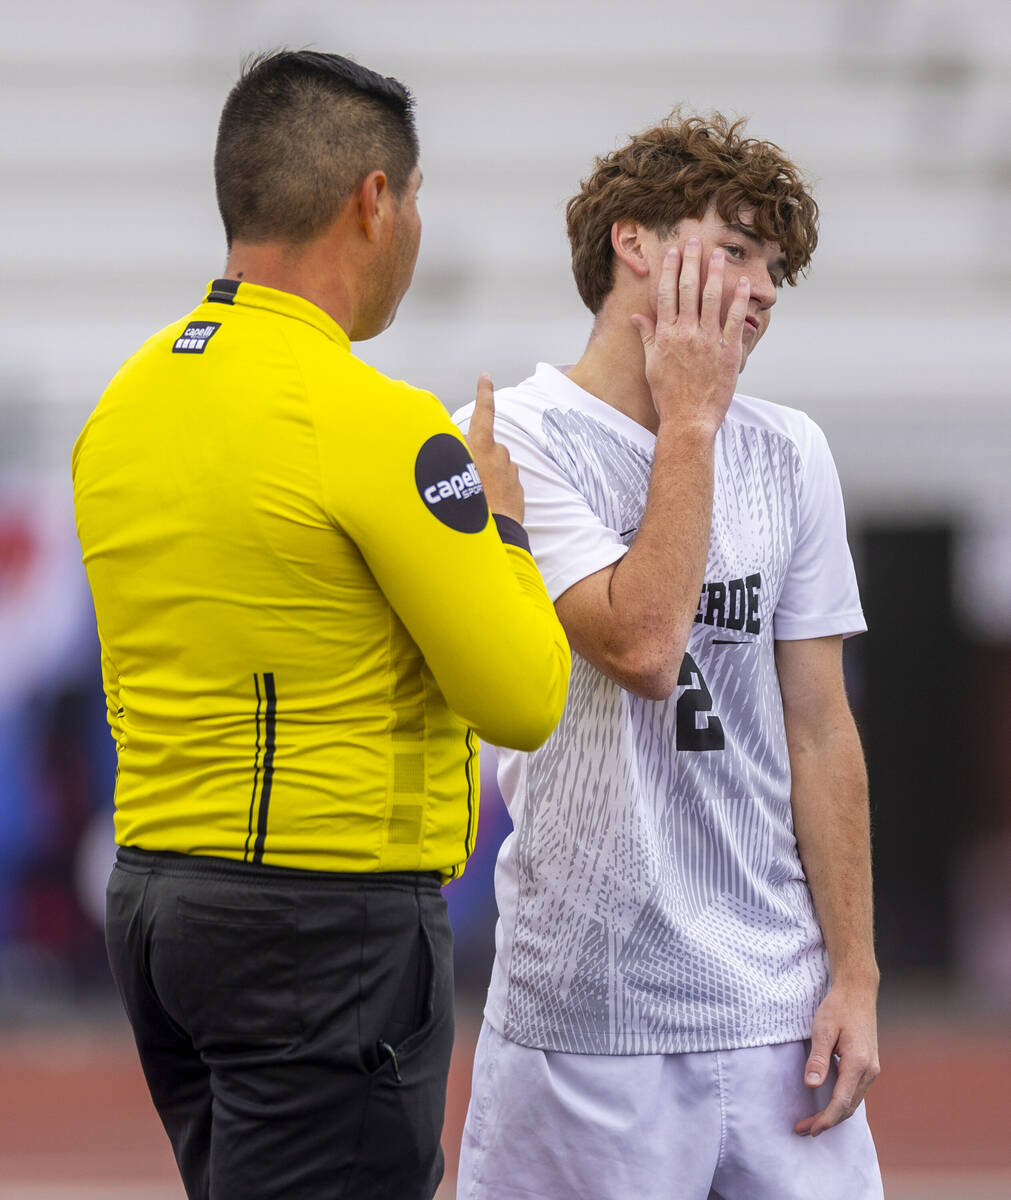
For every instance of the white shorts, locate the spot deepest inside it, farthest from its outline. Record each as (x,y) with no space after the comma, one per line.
(709,1126)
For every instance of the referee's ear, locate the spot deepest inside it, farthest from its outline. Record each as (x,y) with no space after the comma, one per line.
(376,205)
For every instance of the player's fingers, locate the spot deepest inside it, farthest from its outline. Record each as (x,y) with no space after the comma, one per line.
(832,1114)
(851,1084)
(803,1128)
(646,328)
(481,431)
(823,1039)
(712,293)
(667,290)
(688,282)
(738,311)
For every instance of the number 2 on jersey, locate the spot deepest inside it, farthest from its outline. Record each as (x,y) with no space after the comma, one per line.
(694,701)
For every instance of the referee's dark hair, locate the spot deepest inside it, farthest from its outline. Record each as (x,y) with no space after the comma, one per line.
(298,132)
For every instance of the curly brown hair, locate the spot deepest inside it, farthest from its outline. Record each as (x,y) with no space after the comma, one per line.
(675,171)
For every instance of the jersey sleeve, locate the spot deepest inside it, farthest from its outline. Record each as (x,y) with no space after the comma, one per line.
(569,541)
(819,596)
(476,608)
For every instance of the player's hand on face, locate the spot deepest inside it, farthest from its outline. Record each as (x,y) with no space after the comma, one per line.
(844,1025)
(501,479)
(692,361)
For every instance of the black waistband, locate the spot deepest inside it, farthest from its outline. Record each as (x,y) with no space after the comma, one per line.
(169,862)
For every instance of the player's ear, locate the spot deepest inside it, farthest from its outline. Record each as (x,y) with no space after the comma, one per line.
(374,199)
(627,243)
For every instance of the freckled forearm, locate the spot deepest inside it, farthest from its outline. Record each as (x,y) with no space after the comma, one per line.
(655,587)
(632,622)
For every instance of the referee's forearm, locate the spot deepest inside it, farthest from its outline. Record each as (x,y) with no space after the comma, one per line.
(516,684)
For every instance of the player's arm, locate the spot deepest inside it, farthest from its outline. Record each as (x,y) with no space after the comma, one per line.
(468,591)
(831,822)
(632,619)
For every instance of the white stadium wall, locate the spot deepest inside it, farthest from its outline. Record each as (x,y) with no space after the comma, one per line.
(899,109)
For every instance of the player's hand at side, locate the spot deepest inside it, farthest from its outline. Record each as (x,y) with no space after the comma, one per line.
(845,1025)
(501,479)
(692,362)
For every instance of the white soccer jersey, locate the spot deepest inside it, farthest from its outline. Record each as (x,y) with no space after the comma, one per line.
(651,897)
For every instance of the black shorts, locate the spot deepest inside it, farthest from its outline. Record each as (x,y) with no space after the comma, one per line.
(295,1027)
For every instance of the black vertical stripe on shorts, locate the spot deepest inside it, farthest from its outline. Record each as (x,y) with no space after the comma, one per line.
(268,765)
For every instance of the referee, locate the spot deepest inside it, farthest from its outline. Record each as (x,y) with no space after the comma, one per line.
(308,616)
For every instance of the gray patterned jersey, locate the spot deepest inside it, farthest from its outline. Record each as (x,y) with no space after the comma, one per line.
(651,898)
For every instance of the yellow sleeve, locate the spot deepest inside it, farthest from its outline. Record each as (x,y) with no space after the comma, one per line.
(476,608)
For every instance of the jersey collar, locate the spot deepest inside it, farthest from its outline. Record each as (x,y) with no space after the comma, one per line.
(554,382)
(255,295)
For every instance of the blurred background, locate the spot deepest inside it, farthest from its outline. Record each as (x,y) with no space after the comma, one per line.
(900,111)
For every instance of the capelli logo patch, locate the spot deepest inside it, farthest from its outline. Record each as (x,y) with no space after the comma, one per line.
(195,337)
(457,487)
(449,485)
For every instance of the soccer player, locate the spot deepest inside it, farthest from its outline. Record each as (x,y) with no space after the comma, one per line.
(307,616)
(683,997)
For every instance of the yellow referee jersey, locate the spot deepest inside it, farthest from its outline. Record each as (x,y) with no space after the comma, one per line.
(305,612)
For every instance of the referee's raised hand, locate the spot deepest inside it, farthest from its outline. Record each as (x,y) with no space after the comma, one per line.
(501,479)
